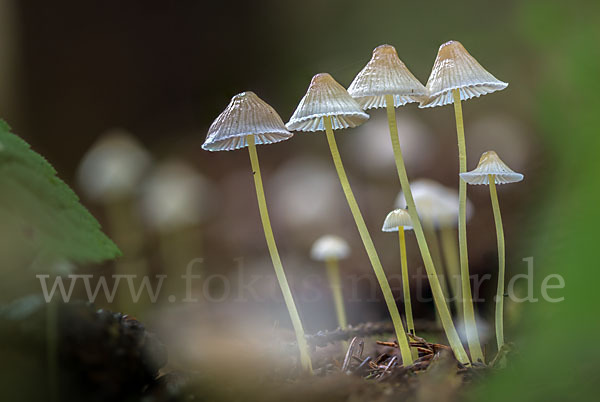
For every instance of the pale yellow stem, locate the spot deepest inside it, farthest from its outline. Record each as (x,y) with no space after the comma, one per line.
(468,310)
(436,255)
(279,272)
(410,324)
(450,250)
(333,273)
(438,295)
(501,263)
(369,246)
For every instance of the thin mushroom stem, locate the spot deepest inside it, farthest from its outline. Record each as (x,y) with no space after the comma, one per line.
(434,242)
(410,324)
(279,272)
(434,246)
(369,246)
(449,248)
(333,274)
(468,310)
(436,289)
(501,262)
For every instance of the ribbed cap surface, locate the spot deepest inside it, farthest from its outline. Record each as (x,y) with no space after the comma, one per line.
(326,97)
(396,218)
(455,68)
(491,164)
(246,114)
(385,74)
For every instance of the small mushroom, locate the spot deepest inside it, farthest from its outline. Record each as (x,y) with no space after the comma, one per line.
(113,167)
(328,106)
(491,170)
(175,200)
(110,173)
(435,209)
(399,220)
(245,122)
(332,249)
(385,81)
(456,76)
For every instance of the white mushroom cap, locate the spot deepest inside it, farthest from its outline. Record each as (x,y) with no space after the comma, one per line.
(245,115)
(491,164)
(329,247)
(112,168)
(326,97)
(385,74)
(175,196)
(455,68)
(395,219)
(435,202)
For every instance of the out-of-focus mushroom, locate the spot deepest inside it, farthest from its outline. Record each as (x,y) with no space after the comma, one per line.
(331,249)
(110,173)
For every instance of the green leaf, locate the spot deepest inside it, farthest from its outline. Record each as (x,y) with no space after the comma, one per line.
(41,218)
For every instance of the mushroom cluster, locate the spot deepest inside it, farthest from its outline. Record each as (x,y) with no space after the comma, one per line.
(425,207)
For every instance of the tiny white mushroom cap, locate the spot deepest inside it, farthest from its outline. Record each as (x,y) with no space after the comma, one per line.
(396,218)
(455,68)
(326,97)
(245,115)
(112,168)
(175,196)
(435,202)
(491,164)
(329,247)
(385,74)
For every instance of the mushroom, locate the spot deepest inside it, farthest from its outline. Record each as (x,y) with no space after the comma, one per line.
(399,220)
(175,200)
(385,81)
(491,170)
(110,173)
(456,76)
(328,106)
(437,206)
(245,122)
(332,249)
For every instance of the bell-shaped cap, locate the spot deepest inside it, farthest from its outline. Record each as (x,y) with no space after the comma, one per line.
(491,164)
(245,115)
(113,167)
(395,219)
(435,202)
(455,68)
(329,247)
(385,74)
(326,97)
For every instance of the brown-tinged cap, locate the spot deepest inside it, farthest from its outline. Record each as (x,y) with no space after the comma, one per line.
(455,68)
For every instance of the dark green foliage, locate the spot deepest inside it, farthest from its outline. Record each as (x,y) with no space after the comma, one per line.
(42,218)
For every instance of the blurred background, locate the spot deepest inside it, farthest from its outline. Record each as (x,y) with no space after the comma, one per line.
(154,75)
